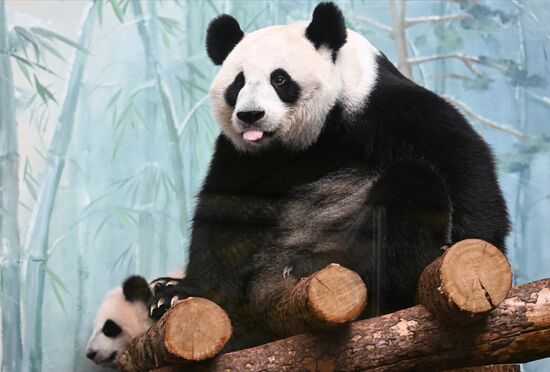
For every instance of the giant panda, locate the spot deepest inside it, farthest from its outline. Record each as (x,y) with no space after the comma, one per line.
(327,154)
(121,316)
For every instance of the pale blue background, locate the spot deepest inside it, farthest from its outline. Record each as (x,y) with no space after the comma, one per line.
(122,190)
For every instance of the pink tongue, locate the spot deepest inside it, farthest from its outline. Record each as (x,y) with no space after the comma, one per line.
(252,135)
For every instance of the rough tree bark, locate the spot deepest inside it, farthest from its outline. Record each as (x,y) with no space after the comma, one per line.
(517,331)
(194,329)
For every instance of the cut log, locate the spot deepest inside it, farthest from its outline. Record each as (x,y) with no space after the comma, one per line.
(193,330)
(468,281)
(329,297)
(489,368)
(517,331)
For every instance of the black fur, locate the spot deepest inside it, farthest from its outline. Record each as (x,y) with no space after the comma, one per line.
(111,329)
(136,288)
(289,91)
(223,34)
(379,192)
(328,28)
(232,91)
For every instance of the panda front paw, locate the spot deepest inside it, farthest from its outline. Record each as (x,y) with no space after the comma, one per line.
(166,293)
(159,285)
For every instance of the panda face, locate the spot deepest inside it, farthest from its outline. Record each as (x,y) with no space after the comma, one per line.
(121,317)
(279,83)
(275,86)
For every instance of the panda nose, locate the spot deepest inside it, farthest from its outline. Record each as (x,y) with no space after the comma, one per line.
(91,355)
(250,117)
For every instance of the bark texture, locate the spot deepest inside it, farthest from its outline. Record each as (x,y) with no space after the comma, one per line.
(331,296)
(468,281)
(517,331)
(193,330)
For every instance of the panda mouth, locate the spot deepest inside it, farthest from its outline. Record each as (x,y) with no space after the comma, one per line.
(256,135)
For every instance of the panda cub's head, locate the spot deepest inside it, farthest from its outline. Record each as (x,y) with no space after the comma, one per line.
(122,316)
(279,83)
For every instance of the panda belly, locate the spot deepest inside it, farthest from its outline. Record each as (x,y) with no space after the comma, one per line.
(324,216)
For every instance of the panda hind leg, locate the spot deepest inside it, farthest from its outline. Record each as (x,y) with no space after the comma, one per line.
(410,216)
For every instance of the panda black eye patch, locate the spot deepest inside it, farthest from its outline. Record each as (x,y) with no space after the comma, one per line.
(232,91)
(111,329)
(287,89)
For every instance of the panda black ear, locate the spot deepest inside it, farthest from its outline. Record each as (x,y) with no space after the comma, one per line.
(327,27)
(223,34)
(136,288)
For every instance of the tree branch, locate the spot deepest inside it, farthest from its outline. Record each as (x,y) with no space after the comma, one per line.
(468,60)
(517,331)
(482,120)
(373,22)
(436,19)
(541,99)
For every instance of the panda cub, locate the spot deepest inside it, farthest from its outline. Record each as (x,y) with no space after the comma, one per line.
(121,316)
(327,154)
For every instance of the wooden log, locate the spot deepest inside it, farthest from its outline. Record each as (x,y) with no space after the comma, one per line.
(468,281)
(489,368)
(194,329)
(331,296)
(517,331)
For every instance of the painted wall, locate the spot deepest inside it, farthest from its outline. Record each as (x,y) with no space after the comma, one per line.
(105,133)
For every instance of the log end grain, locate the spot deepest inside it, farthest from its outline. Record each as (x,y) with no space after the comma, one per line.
(336,295)
(197,329)
(475,275)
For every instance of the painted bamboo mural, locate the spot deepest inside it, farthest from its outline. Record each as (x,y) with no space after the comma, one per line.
(10,256)
(36,245)
(101,155)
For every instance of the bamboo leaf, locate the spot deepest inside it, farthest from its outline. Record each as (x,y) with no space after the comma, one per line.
(24,70)
(100,11)
(57,283)
(118,10)
(52,50)
(32,64)
(26,35)
(42,32)
(113,99)
(43,92)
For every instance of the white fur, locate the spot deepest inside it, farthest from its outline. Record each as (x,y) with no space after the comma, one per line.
(322,83)
(131,317)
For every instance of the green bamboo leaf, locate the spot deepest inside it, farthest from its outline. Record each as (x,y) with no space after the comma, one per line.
(52,50)
(113,99)
(43,92)
(57,283)
(124,5)
(32,64)
(118,11)
(100,11)
(143,86)
(58,297)
(24,70)
(42,32)
(4,212)
(100,227)
(55,278)
(26,35)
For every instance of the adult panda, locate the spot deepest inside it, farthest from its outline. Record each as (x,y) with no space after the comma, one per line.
(327,154)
